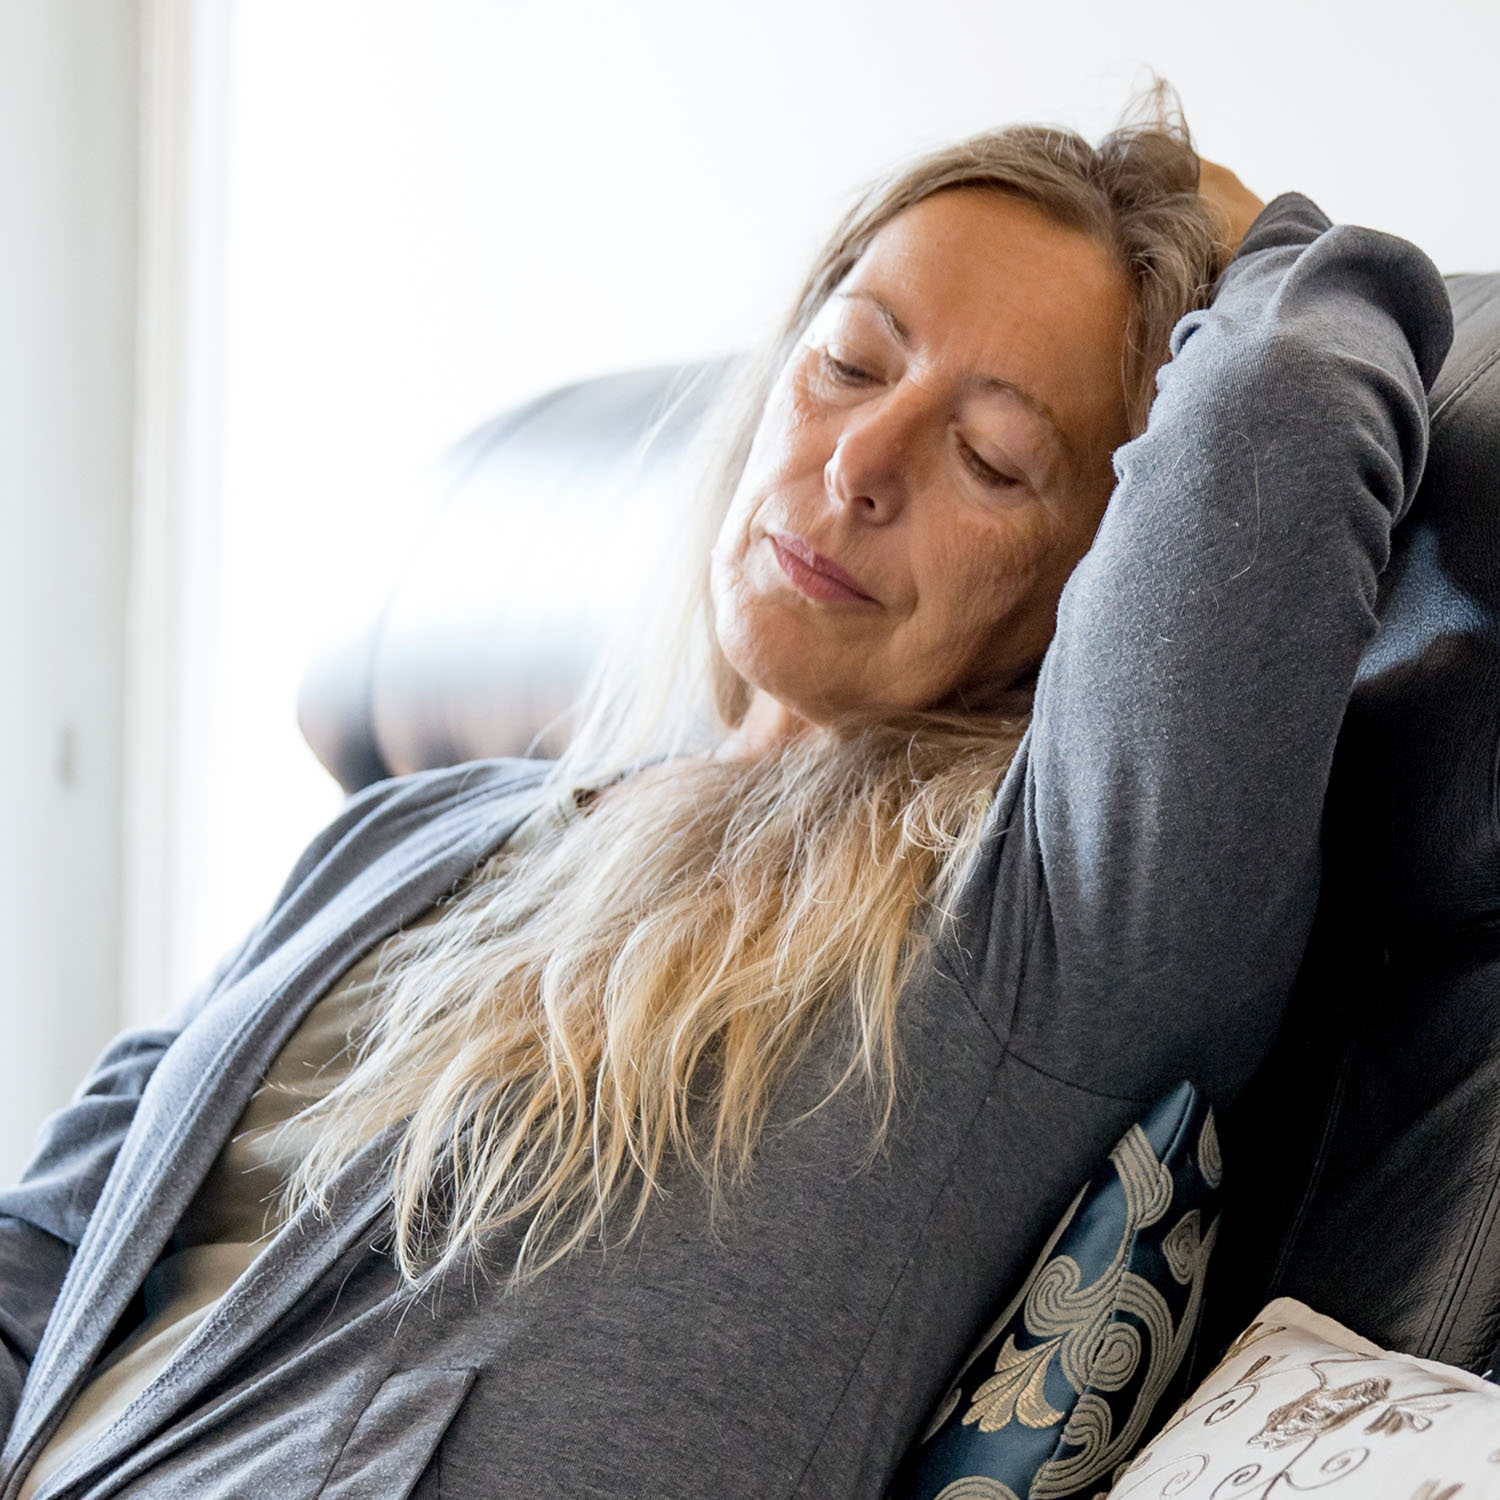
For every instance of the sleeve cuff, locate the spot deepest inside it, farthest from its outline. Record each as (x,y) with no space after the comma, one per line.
(1288,219)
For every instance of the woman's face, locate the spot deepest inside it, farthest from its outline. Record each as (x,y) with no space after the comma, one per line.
(931,463)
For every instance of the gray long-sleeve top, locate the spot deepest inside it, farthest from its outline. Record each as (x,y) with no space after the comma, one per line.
(1140,908)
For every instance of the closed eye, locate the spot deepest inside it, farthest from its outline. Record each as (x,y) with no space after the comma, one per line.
(987,473)
(842,371)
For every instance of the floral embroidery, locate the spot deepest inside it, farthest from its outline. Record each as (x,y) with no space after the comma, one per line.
(1318,1412)
(1017,1389)
(1413,1414)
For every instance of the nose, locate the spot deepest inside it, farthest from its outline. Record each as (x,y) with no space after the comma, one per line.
(870,471)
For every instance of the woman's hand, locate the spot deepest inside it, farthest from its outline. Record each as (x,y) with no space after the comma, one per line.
(1232,205)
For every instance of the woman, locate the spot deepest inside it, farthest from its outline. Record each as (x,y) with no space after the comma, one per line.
(703,1104)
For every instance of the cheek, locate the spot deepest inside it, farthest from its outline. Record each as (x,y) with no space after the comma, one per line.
(732,575)
(771,461)
(981,573)
(786,456)
(729,545)
(782,434)
(728,590)
(991,587)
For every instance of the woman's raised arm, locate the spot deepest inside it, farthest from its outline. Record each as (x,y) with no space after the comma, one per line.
(1164,813)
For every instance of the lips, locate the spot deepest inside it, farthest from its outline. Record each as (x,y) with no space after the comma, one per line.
(813,574)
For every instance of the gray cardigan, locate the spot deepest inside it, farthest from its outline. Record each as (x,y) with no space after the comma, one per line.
(1142,901)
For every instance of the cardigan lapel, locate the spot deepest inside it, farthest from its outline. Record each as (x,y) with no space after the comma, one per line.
(303,1251)
(201,1087)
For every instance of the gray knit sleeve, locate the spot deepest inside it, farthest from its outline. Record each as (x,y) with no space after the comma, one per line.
(1155,865)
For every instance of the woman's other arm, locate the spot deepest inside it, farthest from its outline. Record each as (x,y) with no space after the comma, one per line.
(1205,653)
(43,1217)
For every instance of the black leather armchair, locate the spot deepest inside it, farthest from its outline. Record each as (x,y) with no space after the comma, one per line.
(1366,1157)
(1363,1165)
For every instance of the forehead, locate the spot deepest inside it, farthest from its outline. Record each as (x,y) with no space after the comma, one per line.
(985,284)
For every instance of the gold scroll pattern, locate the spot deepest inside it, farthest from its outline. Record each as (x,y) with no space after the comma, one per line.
(1081,1330)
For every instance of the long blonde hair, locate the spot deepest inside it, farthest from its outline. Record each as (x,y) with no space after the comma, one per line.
(625,997)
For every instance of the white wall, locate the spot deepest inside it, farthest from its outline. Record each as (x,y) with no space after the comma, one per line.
(67,314)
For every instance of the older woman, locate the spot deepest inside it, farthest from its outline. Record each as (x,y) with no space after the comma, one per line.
(666,1121)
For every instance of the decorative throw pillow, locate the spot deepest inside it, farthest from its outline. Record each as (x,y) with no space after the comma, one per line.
(1062,1387)
(1300,1403)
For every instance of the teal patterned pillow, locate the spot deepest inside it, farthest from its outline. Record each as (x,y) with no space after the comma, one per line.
(1057,1396)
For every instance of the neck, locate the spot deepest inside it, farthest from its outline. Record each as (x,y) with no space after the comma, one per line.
(768,725)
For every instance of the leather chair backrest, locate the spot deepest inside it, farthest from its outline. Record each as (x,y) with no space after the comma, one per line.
(529,561)
(1363,1165)
(1365,1159)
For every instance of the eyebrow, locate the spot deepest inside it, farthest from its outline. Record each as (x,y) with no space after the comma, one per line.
(989,382)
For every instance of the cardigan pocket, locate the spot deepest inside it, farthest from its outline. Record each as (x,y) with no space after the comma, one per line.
(396,1435)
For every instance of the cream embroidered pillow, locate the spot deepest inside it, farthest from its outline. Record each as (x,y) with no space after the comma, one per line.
(1301,1404)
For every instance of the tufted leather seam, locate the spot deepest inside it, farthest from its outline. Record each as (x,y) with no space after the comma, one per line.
(1495,790)
(1315,1172)
(1477,936)
(1461,1273)
(1462,389)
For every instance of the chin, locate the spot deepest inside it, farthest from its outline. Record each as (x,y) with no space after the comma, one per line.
(780,665)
